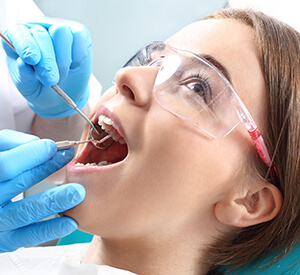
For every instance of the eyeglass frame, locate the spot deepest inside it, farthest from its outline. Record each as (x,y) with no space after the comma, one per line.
(243,113)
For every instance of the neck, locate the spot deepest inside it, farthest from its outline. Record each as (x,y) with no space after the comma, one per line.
(142,257)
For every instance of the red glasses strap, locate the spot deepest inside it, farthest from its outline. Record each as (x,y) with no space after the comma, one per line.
(264,155)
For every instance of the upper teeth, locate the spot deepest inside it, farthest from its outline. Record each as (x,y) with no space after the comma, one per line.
(108,125)
(103,120)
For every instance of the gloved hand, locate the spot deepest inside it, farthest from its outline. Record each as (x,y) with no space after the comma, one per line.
(24,161)
(50,52)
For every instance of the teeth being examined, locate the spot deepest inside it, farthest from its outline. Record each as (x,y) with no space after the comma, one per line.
(108,126)
(103,121)
(101,163)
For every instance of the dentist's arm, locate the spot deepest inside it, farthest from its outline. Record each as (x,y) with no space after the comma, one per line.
(24,161)
(52,52)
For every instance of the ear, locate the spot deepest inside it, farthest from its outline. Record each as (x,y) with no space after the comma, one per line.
(259,203)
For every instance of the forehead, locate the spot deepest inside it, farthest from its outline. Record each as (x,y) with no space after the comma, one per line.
(211,32)
(230,42)
(233,44)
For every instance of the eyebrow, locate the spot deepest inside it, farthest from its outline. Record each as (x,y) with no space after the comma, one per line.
(217,64)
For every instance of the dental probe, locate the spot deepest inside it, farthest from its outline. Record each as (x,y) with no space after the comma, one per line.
(57,89)
(65,144)
(69,143)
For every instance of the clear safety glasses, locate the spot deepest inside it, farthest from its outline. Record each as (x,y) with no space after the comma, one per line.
(193,89)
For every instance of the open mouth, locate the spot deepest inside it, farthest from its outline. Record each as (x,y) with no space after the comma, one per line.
(112,151)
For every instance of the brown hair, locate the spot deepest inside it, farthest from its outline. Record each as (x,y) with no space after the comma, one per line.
(279,48)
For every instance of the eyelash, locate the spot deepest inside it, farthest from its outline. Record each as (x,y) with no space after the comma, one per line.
(202,80)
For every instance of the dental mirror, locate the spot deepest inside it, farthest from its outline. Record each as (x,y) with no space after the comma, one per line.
(101,140)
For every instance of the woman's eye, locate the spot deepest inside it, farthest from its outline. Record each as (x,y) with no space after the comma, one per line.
(197,88)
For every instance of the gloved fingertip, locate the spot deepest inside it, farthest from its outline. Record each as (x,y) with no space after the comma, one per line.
(49,76)
(26,72)
(62,157)
(66,196)
(76,193)
(30,57)
(68,226)
(66,154)
(51,145)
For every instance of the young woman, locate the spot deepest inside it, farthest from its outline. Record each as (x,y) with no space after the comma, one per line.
(187,183)
(183,189)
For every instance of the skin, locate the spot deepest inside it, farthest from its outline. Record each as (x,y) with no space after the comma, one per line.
(159,221)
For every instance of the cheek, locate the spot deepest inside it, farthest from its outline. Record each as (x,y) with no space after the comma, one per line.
(177,155)
(195,162)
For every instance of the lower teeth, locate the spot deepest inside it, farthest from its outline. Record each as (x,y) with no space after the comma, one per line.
(101,163)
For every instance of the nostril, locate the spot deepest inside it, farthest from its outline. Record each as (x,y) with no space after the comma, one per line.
(128,92)
(136,84)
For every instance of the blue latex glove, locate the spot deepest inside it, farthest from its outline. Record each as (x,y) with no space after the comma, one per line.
(24,161)
(50,52)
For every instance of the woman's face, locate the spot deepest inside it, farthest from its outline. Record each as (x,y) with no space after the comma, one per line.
(171,175)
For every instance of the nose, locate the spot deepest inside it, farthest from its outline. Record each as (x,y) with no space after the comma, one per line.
(136,84)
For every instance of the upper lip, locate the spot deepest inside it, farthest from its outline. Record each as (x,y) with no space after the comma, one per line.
(108,112)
